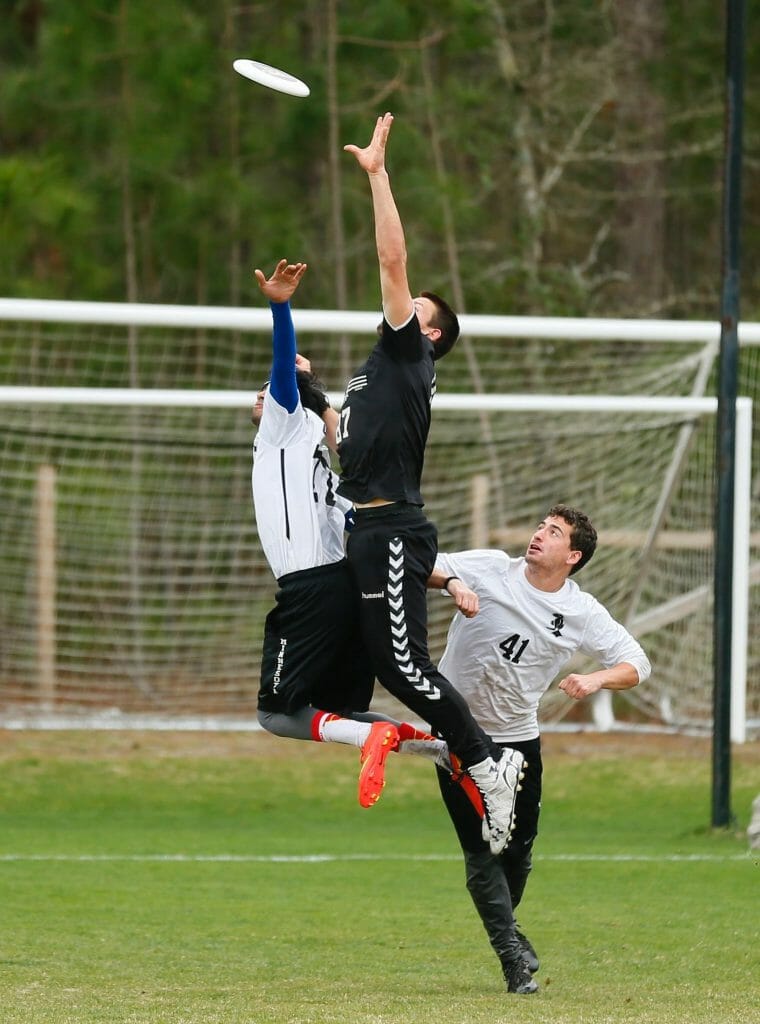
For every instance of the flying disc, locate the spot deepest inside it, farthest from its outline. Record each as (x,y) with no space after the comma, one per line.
(271,77)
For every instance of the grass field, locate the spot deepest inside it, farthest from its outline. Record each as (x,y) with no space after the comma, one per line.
(212,879)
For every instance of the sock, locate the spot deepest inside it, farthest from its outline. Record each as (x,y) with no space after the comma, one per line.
(329,728)
(406,731)
(435,750)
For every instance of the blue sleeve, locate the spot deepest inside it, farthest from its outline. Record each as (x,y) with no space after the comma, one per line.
(283,387)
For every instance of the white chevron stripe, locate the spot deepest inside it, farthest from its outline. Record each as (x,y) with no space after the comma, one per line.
(401,651)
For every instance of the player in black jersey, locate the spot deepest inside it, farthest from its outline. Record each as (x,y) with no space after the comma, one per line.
(382,433)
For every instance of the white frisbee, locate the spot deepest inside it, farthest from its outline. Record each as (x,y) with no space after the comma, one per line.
(271,77)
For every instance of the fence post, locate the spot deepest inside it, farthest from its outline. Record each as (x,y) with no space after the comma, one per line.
(46,584)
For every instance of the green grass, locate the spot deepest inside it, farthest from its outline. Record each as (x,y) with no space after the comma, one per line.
(389,938)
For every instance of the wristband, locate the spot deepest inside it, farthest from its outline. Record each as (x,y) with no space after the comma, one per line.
(446,584)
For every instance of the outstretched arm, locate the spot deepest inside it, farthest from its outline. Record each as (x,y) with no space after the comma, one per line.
(389,232)
(278,289)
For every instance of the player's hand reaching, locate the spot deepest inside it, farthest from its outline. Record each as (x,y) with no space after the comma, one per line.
(372,157)
(302,363)
(283,282)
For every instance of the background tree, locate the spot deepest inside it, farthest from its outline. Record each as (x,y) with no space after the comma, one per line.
(575,166)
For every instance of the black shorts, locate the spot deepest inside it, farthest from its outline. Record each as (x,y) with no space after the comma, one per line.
(313,653)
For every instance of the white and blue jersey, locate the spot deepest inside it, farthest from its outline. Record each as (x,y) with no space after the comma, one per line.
(299,515)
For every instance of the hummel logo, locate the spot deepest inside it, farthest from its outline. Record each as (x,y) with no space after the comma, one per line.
(373,597)
(557,624)
(280,663)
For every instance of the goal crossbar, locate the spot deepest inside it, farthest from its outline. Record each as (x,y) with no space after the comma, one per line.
(229,399)
(331,321)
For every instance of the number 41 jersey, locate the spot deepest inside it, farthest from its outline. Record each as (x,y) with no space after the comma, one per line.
(505,658)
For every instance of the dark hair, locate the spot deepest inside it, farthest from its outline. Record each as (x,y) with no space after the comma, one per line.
(445,319)
(312,392)
(582,536)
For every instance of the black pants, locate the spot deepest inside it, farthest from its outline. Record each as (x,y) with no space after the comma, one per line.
(496,884)
(392,551)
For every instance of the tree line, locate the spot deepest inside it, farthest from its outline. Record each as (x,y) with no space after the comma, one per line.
(548,158)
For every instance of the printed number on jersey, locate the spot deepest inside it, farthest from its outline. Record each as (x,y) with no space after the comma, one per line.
(513,647)
(341,429)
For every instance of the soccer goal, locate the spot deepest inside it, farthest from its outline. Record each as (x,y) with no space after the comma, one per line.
(134,588)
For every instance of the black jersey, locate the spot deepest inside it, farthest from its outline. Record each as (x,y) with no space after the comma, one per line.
(385,418)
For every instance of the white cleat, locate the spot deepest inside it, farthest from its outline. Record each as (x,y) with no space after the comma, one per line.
(498,783)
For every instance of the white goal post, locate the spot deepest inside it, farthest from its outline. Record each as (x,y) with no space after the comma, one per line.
(638,462)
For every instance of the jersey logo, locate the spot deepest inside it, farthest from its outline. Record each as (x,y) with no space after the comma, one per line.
(280,664)
(557,624)
(356,383)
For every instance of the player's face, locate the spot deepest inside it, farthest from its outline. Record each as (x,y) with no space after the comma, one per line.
(425,309)
(258,408)
(549,547)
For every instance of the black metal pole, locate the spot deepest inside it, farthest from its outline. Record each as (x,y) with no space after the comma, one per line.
(728,373)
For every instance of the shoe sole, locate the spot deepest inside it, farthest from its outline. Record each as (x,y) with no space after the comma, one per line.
(382,739)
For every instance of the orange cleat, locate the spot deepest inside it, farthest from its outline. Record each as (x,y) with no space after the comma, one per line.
(383,738)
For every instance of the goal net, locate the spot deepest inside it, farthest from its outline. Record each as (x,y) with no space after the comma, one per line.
(134,587)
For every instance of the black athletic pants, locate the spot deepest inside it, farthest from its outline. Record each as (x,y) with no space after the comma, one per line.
(391,551)
(496,884)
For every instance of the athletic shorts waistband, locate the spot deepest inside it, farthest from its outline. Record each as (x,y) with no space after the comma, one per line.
(315,570)
(394,508)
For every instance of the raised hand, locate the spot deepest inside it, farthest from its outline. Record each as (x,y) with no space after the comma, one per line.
(372,157)
(283,282)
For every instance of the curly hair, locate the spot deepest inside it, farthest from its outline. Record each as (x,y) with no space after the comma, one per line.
(582,536)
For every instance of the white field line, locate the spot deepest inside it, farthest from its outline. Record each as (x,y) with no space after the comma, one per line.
(329,858)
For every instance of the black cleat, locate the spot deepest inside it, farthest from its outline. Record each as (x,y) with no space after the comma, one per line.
(529,954)
(518,977)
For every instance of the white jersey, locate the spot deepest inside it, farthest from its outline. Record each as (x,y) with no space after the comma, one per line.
(299,515)
(505,658)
